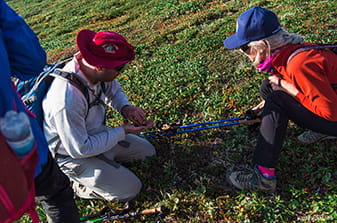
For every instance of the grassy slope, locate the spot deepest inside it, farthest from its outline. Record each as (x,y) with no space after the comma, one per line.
(183,72)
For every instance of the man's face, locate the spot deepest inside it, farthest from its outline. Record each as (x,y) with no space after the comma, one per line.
(108,75)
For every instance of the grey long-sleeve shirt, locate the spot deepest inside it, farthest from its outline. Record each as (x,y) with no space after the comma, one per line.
(81,133)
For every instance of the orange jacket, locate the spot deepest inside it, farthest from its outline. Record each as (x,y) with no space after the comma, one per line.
(312,72)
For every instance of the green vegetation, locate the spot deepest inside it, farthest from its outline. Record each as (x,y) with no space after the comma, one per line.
(183,72)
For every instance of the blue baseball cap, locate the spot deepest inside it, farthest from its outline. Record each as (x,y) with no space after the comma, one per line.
(254,24)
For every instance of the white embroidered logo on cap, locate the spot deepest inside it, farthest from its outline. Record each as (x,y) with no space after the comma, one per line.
(110,48)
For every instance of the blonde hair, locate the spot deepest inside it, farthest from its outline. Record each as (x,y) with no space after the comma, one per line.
(263,48)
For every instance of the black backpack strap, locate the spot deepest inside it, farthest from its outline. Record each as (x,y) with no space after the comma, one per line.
(103,87)
(52,140)
(97,100)
(77,81)
(333,47)
(80,85)
(309,47)
(73,80)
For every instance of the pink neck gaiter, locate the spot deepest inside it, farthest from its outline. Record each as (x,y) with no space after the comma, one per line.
(266,65)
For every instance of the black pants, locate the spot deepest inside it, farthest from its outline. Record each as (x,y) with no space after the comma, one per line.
(279,108)
(55,194)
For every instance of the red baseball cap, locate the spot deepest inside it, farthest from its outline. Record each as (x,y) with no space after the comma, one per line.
(104,49)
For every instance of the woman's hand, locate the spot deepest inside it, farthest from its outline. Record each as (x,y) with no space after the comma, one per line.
(282,85)
(258,108)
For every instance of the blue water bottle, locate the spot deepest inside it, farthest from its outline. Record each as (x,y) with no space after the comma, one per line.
(17,131)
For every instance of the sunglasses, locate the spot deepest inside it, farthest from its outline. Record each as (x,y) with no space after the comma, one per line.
(244,48)
(120,68)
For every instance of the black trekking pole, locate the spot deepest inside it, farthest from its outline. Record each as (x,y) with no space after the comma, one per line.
(176,128)
(105,215)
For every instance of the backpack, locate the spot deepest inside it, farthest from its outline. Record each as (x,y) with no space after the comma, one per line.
(17,190)
(32,91)
(332,47)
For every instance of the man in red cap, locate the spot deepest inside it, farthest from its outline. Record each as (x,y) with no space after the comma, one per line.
(86,149)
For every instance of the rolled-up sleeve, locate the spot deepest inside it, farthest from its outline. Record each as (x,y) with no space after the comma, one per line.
(71,127)
(115,96)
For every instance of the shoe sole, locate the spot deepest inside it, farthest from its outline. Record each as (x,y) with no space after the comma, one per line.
(321,139)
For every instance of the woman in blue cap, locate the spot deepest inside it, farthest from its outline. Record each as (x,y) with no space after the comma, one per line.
(300,89)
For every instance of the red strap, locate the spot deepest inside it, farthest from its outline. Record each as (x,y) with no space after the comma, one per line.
(33,214)
(6,201)
(32,210)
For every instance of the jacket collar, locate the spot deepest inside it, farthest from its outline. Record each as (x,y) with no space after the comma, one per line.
(280,60)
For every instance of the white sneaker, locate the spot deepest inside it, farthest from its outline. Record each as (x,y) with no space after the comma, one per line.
(309,137)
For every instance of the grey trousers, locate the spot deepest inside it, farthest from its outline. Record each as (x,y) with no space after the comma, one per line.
(102,177)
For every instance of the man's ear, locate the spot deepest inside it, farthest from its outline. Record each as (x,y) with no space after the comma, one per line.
(78,56)
(100,69)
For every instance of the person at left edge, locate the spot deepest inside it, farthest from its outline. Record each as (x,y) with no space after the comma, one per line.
(21,56)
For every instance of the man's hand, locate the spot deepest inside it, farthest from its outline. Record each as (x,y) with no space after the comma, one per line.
(136,129)
(134,114)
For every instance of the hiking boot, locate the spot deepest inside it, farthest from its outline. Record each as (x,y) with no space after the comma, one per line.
(309,137)
(83,192)
(252,181)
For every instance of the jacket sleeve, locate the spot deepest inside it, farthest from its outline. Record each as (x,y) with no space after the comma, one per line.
(76,140)
(82,134)
(115,96)
(309,71)
(25,54)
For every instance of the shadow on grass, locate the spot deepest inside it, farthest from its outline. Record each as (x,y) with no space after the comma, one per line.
(188,178)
